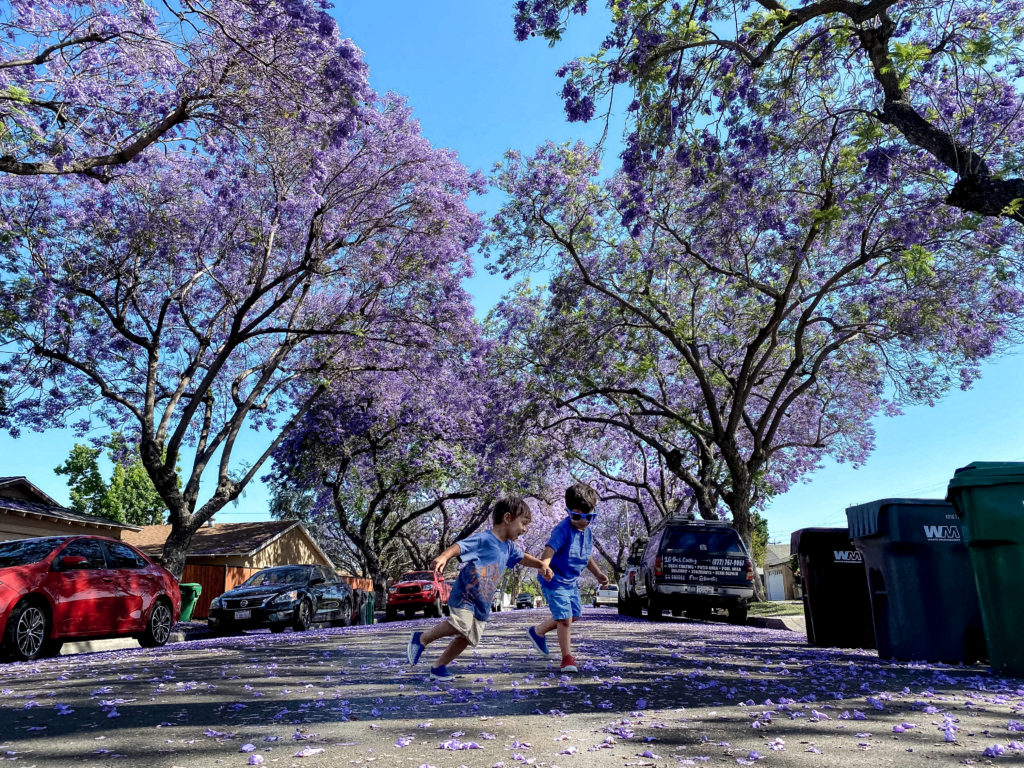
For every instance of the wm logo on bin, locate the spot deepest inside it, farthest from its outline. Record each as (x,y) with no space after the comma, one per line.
(847,556)
(942,533)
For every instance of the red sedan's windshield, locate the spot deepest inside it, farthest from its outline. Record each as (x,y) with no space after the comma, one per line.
(25,551)
(418,576)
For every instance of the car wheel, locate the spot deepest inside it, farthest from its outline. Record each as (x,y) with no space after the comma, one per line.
(27,631)
(738,613)
(346,615)
(158,628)
(303,617)
(435,609)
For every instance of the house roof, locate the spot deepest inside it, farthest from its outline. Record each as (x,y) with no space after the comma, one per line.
(776,554)
(225,539)
(25,486)
(45,508)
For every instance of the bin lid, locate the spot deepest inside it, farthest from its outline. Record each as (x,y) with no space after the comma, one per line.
(864,518)
(808,538)
(987,473)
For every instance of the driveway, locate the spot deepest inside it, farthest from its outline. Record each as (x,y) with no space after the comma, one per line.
(671,693)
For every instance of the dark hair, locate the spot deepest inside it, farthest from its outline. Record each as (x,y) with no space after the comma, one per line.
(513,506)
(580,496)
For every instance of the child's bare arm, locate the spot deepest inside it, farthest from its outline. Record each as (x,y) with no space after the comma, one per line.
(546,555)
(532,562)
(598,573)
(441,560)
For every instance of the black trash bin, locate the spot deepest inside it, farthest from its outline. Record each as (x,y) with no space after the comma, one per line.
(923,598)
(837,607)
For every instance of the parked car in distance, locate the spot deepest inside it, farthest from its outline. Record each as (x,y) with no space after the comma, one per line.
(525,600)
(288,595)
(501,601)
(607,595)
(61,588)
(417,591)
(629,602)
(696,566)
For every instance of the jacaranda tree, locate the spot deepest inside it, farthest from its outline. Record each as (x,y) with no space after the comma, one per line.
(378,467)
(88,85)
(391,467)
(200,293)
(932,86)
(757,317)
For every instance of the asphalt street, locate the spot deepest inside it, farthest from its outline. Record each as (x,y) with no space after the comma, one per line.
(672,693)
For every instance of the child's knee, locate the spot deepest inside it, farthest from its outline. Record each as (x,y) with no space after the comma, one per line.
(564,622)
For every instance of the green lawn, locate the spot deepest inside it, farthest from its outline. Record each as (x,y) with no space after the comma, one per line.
(777,608)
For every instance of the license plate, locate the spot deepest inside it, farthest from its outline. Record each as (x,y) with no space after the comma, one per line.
(242,615)
(703,590)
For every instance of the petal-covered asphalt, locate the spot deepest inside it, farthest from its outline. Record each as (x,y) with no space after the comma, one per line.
(671,693)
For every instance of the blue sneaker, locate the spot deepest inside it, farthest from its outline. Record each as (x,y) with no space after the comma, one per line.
(442,673)
(415,648)
(538,642)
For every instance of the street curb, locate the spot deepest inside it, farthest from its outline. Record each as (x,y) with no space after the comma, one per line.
(790,623)
(127,642)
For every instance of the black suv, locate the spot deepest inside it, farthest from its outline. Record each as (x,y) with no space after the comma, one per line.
(695,566)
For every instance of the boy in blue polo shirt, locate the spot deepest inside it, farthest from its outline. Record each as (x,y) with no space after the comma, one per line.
(485,556)
(567,553)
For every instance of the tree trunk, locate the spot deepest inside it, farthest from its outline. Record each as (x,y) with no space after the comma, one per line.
(743,523)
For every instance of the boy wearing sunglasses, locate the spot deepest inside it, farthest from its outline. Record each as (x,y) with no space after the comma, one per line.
(567,553)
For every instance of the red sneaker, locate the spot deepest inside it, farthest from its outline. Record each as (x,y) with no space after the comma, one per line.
(569,664)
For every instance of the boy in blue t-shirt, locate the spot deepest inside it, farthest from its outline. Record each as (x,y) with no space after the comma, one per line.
(486,555)
(567,553)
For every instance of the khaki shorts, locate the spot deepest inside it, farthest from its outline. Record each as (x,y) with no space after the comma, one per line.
(466,624)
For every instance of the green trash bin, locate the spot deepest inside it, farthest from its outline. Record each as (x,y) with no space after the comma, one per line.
(189,597)
(368,609)
(989,496)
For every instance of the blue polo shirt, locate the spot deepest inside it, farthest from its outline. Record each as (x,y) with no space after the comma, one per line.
(572,553)
(485,558)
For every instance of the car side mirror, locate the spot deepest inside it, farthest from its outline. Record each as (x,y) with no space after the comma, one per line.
(317,580)
(73,562)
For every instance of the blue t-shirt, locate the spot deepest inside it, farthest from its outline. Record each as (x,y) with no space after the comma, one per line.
(572,553)
(485,558)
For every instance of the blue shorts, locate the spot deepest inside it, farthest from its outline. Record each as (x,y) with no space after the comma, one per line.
(564,602)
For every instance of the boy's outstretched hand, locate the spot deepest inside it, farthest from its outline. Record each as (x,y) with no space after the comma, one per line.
(602,579)
(439,563)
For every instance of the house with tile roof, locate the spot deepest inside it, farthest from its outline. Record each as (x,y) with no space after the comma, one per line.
(222,556)
(27,512)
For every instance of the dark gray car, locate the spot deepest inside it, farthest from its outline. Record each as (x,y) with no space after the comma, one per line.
(288,595)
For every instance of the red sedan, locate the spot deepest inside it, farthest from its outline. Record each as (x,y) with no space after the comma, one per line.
(61,588)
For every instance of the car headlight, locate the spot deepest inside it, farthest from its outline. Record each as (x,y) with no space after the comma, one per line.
(216,603)
(392,590)
(285,597)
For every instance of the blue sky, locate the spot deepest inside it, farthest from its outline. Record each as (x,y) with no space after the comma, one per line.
(477,91)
